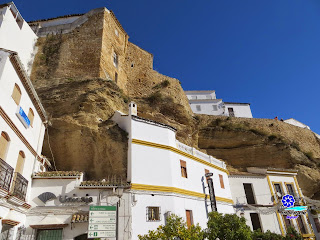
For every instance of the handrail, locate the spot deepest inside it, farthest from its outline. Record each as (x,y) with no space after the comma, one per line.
(6,173)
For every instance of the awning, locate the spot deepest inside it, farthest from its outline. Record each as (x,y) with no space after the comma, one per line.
(50,222)
(12,218)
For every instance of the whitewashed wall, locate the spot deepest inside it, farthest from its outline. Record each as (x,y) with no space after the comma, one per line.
(200,94)
(15,39)
(262,195)
(296,123)
(207,107)
(240,110)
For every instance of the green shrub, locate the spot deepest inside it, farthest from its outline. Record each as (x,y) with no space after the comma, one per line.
(163,84)
(227,226)
(257,235)
(155,98)
(175,228)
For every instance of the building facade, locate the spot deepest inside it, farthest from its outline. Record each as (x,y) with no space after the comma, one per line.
(22,122)
(168,177)
(205,102)
(258,195)
(61,201)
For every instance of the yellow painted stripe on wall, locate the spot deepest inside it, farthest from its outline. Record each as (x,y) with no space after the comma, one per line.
(175,150)
(152,188)
(274,201)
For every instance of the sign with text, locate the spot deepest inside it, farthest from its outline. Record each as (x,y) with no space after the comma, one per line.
(102,222)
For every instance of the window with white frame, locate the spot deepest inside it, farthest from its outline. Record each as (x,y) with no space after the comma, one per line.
(215,108)
(198,107)
(153,214)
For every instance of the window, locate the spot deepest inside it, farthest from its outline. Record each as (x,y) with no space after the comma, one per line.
(215,108)
(221,181)
(50,234)
(153,214)
(31,116)
(4,144)
(231,112)
(208,97)
(198,107)
(301,225)
(287,221)
(16,94)
(255,221)
(290,189)
(20,162)
(278,188)
(116,77)
(183,166)
(115,59)
(249,193)
(316,221)
(189,218)
(193,97)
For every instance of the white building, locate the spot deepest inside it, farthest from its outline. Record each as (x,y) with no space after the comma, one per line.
(205,102)
(295,122)
(16,35)
(22,130)
(22,120)
(167,176)
(60,205)
(258,195)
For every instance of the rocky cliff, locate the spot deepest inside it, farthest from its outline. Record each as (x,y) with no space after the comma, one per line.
(77,86)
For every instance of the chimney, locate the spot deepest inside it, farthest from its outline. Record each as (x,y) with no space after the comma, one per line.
(133,109)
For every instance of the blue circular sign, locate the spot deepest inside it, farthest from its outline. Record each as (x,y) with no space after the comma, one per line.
(288,201)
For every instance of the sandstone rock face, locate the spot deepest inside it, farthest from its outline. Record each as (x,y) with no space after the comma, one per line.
(263,143)
(80,136)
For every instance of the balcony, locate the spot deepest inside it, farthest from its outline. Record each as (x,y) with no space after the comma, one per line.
(6,173)
(19,186)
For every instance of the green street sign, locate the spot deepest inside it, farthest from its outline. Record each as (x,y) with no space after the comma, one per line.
(103,208)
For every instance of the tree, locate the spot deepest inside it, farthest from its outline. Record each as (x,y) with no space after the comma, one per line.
(292,234)
(175,228)
(257,234)
(228,226)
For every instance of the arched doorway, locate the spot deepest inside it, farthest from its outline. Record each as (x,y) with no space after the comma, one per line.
(81,237)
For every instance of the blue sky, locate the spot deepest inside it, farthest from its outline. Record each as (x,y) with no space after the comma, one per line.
(266,52)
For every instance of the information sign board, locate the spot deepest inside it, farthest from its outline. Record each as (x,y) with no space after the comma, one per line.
(102,222)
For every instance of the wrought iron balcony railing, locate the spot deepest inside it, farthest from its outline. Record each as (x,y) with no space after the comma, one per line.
(20,185)
(6,173)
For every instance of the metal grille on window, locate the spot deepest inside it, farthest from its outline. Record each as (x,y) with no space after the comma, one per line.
(153,214)
(44,234)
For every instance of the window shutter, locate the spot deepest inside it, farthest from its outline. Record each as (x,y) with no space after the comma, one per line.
(249,193)
(255,221)
(20,163)
(4,142)
(221,181)
(31,116)
(189,218)
(183,163)
(16,94)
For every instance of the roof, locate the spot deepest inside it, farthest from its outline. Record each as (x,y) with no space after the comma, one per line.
(54,18)
(246,174)
(202,91)
(153,123)
(282,170)
(205,100)
(18,66)
(236,103)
